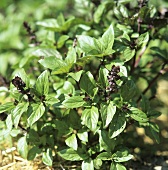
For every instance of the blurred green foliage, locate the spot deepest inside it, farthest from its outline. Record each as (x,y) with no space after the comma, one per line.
(13,38)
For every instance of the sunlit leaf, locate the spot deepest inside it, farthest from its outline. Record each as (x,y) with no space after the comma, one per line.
(42,83)
(138,115)
(72,155)
(22,147)
(87,164)
(88,44)
(117,125)
(6,106)
(72,142)
(18,111)
(107,112)
(47,52)
(37,111)
(90,118)
(107,40)
(122,155)
(74,102)
(83,135)
(76,75)
(47,157)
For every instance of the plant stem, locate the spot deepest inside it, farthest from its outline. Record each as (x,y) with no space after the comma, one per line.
(136,62)
(152,97)
(139,57)
(22,128)
(152,81)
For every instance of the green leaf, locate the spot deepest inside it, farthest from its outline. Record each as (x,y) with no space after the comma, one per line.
(107,40)
(60,19)
(124,1)
(22,147)
(76,76)
(101,48)
(120,45)
(87,83)
(18,111)
(104,156)
(37,111)
(107,113)
(60,66)
(47,52)
(70,22)
(47,157)
(117,13)
(88,164)
(15,132)
(128,90)
(138,115)
(61,40)
(72,142)
(99,12)
(143,39)
(73,118)
(74,102)
(88,44)
(56,25)
(90,118)
(33,152)
(57,65)
(122,155)
(72,155)
(145,104)
(103,73)
(102,8)
(51,99)
(84,60)
(9,122)
(123,71)
(152,131)
(25,60)
(128,54)
(50,24)
(67,88)
(162,53)
(5,133)
(124,11)
(71,56)
(83,135)
(52,63)
(63,128)
(117,125)
(3,89)
(153,114)
(117,166)
(42,83)
(97,163)
(6,106)
(63,68)
(105,142)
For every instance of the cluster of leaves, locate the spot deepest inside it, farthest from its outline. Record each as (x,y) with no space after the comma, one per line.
(75,92)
